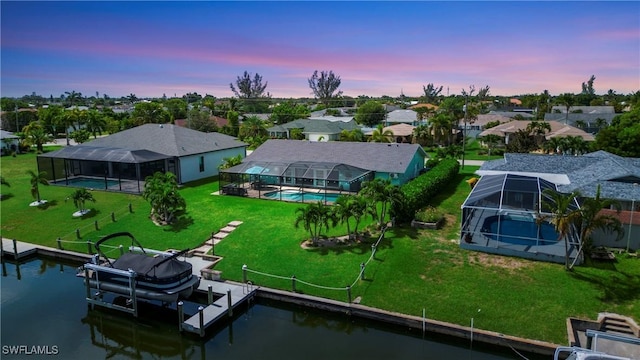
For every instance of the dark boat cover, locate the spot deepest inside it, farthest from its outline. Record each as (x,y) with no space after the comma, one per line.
(148,266)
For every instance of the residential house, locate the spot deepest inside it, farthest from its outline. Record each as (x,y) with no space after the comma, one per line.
(508,129)
(314,129)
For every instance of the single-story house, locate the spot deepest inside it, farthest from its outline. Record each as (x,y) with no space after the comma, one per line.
(557,130)
(503,211)
(589,122)
(322,166)
(9,142)
(124,159)
(402,133)
(313,129)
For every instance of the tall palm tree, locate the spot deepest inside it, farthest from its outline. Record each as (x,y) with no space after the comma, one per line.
(381,135)
(36,180)
(592,218)
(382,192)
(553,145)
(422,135)
(563,215)
(36,135)
(80,197)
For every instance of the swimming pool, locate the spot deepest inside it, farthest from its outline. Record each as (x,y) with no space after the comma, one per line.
(519,230)
(89,183)
(295,195)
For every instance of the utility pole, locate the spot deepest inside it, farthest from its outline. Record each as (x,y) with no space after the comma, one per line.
(464,129)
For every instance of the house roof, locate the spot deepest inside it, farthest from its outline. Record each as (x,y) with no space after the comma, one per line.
(585,109)
(167,139)
(7,135)
(483,119)
(557,130)
(380,157)
(589,119)
(404,116)
(85,152)
(616,175)
(428,106)
(315,126)
(401,129)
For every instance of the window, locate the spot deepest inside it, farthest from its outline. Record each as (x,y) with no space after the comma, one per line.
(201,163)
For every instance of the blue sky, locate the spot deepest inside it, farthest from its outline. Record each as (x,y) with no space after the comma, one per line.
(377,48)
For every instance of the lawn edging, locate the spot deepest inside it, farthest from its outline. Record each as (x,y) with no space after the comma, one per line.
(413,322)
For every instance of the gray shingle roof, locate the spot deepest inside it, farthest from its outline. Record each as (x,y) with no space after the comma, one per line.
(168,139)
(380,157)
(315,126)
(615,174)
(92,153)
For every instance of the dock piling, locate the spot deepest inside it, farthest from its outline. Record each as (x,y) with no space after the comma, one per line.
(244,273)
(210,295)
(78,234)
(113,216)
(15,248)
(201,313)
(95,223)
(60,244)
(229,306)
(89,247)
(349,293)
(180,315)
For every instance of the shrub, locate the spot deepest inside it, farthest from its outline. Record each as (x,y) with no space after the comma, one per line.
(418,192)
(429,215)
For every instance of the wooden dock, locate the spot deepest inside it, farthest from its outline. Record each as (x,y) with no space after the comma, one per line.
(17,249)
(232,295)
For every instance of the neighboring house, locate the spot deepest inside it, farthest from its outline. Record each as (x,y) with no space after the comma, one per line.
(511,191)
(584,109)
(476,126)
(219,121)
(557,130)
(136,153)
(402,116)
(313,129)
(327,165)
(9,142)
(402,133)
(592,122)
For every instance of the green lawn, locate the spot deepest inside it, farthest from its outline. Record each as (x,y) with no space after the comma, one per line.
(412,269)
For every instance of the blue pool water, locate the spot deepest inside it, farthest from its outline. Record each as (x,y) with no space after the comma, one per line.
(519,231)
(294,195)
(90,183)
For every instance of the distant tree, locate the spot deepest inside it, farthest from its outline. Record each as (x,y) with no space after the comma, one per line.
(622,137)
(353,135)
(49,118)
(177,108)
(73,98)
(149,113)
(161,190)
(232,161)
(491,140)
(587,88)
(200,119)
(324,86)
(370,113)
(521,142)
(381,135)
(491,124)
(251,91)
(296,134)
(422,135)
(431,94)
(568,100)
(252,127)
(233,127)
(36,135)
(288,111)
(95,122)
(80,136)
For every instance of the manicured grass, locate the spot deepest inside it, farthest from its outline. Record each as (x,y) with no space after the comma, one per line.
(412,269)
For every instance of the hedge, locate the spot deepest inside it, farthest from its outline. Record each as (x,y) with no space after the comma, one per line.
(417,193)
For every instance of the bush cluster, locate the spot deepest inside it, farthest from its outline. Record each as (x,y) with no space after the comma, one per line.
(417,193)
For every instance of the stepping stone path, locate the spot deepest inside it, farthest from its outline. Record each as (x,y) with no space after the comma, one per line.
(217,237)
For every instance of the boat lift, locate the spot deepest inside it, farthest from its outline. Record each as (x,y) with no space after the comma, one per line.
(96,299)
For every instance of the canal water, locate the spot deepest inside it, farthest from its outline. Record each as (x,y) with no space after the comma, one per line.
(44,315)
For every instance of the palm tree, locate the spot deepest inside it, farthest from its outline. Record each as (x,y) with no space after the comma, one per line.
(359,207)
(422,135)
(341,211)
(592,218)
(314,217)
(231,161)
(553,145)
(381,135)
(80,197)
(161,190)
(96,122)
(382,192)
(576,145)
(36,180)
(36,135)
(564,215)
(568,100)
(354,135)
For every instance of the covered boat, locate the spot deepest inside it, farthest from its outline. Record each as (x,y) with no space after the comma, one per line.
(154,275)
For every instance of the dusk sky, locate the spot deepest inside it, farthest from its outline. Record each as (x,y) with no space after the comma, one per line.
(377,48)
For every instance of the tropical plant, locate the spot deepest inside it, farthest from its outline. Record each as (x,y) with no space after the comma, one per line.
(381,135)
(370,113)
(422,135)
(564,215)
(231,161)
(252,127)
(36,135)
(342,212)
(429,214)
(592,218)
(161,190)
(314,218)
(80,197)
(95,122)
(379,191)
(36,180)
(491,140)
(80,136)
(353,135)
(568,100)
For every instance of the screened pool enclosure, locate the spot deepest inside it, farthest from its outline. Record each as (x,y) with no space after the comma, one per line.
(313,181)
(507,214)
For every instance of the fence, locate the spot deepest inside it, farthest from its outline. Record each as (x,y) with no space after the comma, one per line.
(295,280)
(73,239)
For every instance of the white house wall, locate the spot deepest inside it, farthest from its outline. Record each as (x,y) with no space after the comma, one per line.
(325,137)
(190,165)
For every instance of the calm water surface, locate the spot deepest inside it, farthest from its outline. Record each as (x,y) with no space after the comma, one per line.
(42,304)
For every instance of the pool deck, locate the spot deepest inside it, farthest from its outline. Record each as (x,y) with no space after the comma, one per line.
(259,193)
